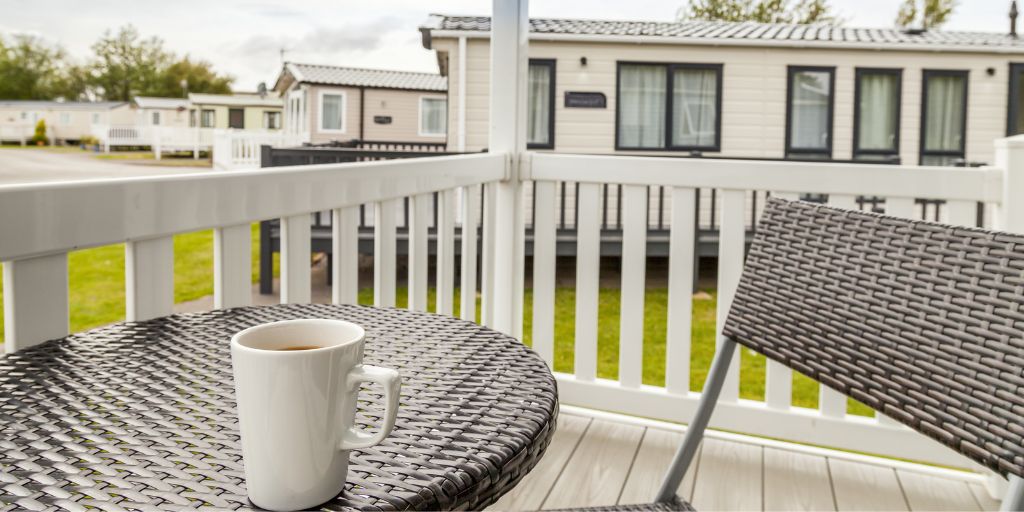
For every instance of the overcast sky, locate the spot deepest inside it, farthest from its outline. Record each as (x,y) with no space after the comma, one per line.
(244,37)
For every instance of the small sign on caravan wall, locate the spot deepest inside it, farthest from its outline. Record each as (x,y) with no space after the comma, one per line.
(382,119)
(585,100)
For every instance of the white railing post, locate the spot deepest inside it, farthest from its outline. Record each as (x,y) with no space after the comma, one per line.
(149,278)
(507,134)
(1010,159)
(35,301)
(232,266)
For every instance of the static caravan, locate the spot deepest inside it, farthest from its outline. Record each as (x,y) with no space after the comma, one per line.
(152,111)
(243,111)
(746,89)
(66,121)
(333,103)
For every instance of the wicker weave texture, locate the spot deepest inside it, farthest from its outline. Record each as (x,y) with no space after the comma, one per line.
(922,321)
(141,416)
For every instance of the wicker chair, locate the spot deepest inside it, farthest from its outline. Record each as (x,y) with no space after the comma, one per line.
(921,321)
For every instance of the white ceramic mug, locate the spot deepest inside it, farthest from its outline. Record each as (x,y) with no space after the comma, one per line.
(296,408)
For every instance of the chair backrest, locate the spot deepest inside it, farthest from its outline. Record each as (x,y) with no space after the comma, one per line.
(921,321)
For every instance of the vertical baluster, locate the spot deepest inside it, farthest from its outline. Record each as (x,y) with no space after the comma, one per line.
(418,210)
(832,403)
(487,275)
(730,265)
(35,301)
(544,270)
(470,204)
(634,261)
(778,387)
(680,290)
(385,215)
(345,251)
(588,268)
(446,252)
(900,207)
(232,266)
(295,259)
(149,278)
(960,213)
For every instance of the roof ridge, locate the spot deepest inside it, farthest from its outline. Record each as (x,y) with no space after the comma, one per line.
(375,70)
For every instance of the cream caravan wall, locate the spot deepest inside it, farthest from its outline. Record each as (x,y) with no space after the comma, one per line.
(753,92)
(401,105)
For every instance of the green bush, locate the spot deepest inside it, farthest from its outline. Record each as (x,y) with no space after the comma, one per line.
(40,135)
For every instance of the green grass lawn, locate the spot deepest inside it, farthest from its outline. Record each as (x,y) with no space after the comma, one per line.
(96,282)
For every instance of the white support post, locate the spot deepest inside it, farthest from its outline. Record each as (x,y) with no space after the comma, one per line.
(470,204)
(460,140)
(157,149)
(730,265)
(419,211)
(345,253)
(682,249)
(149,278)
(544,270)
(1010,158)
(634,280)
(507,134)
(295,259)
(384,220)
(445,252)
(35,301)
(232,266)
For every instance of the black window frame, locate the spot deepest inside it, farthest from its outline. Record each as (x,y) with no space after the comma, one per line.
(858,72)
(550,64)
(670,68)
(925,76)
(1013,109)
(796,153)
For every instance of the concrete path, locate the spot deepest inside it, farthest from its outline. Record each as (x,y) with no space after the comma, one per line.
(43,165)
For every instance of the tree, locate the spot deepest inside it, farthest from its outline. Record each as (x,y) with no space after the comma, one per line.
(932,14)
(197,75)
(761,11)
(31,69)
(39,137)
(126,65)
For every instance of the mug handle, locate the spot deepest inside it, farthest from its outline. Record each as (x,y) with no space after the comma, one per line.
(354,438)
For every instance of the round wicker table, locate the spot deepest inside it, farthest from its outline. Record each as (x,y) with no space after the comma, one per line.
(141,415)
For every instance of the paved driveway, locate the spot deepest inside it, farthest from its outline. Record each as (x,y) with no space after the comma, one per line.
(41,165)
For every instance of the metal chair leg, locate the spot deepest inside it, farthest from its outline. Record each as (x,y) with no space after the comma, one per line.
(695,431)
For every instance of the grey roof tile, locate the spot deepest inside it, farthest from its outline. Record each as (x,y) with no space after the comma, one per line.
(361,77)
(759,33)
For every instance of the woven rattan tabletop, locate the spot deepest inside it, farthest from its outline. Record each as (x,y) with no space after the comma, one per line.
(141,415)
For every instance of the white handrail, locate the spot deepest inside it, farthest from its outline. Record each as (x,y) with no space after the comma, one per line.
(59,217)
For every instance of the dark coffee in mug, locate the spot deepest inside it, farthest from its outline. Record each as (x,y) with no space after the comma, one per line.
(300,347)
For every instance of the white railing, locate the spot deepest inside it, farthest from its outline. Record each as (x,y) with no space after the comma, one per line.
(56,218)
(240,149)
(160,139)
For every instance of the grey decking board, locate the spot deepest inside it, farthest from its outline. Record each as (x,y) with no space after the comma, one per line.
(529,494)
(729,476)
(796,481)
(860,486)
(597,470)
(929,492)
(652,460)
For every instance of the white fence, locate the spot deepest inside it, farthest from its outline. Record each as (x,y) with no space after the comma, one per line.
(240,149)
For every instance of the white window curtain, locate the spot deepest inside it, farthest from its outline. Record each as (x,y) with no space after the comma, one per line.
(878,109)
(809,111)
(538,116)
(433,116)
(332,111)
(642,106)
(944,113)
(694,102)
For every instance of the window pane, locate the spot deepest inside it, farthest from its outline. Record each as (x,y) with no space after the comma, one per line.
(877,109)
(694,102)
(642,106)
(331,112)
(1017,94)
(809,122)
(944,113)
(538,115)
(433,119)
